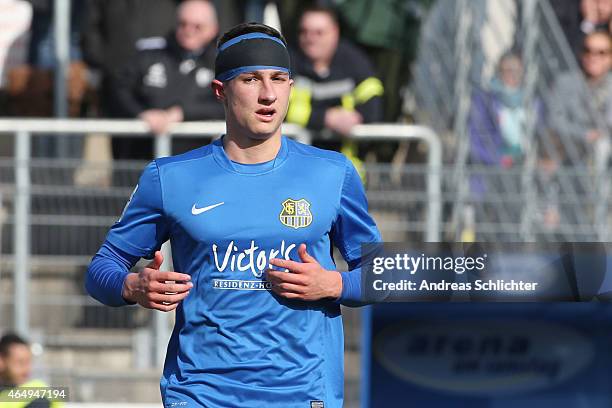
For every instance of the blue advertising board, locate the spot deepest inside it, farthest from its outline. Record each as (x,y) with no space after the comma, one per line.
(493,355)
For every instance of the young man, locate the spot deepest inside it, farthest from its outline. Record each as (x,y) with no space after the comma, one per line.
(238,212)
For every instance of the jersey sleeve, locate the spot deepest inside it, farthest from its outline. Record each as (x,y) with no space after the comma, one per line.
(143,226)
(353,227)
(106,273)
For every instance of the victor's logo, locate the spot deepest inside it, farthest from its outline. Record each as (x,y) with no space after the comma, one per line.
(296,213)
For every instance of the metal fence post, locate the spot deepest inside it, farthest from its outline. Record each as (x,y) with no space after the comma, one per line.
(61,32)
(21,233)
(434,189)
(434,164)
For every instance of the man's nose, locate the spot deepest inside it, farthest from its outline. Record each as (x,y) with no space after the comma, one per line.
(267,93)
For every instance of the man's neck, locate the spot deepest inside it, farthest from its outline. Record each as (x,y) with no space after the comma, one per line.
(247,150)
(321,67)
(595,82)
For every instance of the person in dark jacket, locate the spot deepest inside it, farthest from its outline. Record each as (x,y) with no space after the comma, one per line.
(170,81)
(111,34)
(335,87)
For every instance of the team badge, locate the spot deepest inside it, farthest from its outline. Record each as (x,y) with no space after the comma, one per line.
(296,213)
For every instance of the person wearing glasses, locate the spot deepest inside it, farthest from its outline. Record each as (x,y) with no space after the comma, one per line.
(569,98)
(169,81)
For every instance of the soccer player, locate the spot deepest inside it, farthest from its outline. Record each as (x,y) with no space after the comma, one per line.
(251,219)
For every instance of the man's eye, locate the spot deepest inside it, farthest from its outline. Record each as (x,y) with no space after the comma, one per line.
(279,79)
(250,79)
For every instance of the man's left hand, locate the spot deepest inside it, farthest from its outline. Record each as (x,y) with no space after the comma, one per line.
(306,280)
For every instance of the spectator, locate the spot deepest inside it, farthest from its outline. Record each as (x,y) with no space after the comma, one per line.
(578,18)
(583,114)
(580,107)
(15,19)
(171,83)
(335,87)
(497,125)
(498,116)
(42,44)
(113,29)
(15,371)
(32,85)
(31,81)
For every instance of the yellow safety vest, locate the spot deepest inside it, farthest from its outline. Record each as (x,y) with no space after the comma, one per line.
(300,109)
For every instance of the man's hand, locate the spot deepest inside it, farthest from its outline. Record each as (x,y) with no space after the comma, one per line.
(157,120)
(175,114)
(592,135)
(341,120)
(154,289)
(306,280)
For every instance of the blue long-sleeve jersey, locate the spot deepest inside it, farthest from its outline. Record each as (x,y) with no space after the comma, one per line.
(235,343)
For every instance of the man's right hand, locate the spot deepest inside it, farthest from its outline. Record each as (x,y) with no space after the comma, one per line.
(155,289)
(157,120)
(341,120)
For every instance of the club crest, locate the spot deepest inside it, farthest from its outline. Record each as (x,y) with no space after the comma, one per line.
(296,213)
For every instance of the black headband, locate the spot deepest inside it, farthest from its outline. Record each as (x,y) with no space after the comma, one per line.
(251,52)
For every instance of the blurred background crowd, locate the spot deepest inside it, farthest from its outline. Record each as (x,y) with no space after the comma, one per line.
(353,62)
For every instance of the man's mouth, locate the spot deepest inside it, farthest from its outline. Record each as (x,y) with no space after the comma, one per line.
(266,112)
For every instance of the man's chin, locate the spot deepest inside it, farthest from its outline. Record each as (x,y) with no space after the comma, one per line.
(261,133)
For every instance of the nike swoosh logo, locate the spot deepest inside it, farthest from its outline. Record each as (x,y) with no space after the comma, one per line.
(197,211)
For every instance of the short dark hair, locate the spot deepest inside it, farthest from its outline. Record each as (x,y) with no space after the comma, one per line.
(9,340)
(247,28)
(325,10)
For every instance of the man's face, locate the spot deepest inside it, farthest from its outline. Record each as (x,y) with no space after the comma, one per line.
(196,25)
(319,36)
(596,58)
(17,364)
(256,102)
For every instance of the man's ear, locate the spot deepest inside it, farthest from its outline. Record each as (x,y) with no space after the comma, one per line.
(218,89)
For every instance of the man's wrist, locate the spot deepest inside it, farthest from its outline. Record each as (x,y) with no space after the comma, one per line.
(336,286)
(126,290)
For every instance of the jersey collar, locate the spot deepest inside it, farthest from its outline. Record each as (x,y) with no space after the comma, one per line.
(249,169)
